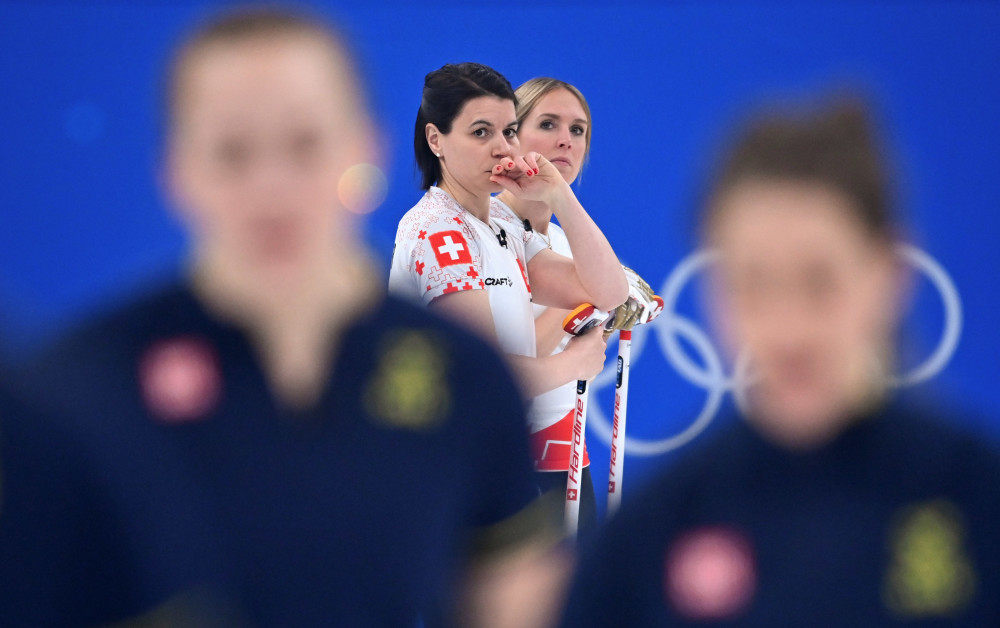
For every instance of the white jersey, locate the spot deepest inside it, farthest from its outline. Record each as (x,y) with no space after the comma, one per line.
(550,407)
(551,413)
(442,248)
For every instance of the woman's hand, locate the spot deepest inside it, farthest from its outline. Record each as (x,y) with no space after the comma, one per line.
(531,177)
(642,306)
(587,353)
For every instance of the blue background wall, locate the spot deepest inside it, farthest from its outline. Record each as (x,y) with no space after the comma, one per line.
(83,221)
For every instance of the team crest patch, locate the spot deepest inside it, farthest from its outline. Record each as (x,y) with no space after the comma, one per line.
(450,248)
(929,572)
(408,388)
(180,379)
(710,574)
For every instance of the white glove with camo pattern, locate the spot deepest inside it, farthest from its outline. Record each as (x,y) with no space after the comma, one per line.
(642,306)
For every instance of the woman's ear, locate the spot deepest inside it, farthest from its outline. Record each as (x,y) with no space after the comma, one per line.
(433,136)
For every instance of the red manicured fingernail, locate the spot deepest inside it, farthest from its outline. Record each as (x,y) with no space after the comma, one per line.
(530,173)
(536,170)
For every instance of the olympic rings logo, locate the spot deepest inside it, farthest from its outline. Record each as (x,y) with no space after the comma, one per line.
(711,376)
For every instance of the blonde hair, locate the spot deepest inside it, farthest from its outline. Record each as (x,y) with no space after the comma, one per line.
(532,91)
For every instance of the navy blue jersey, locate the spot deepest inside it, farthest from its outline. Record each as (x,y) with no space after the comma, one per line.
(895,521)
(93,528)
(359,510)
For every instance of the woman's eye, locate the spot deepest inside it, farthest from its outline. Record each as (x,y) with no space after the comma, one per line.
(819,284)
(479,132)
(547,125)
(508,133)
(233,154)
(305,145)
(576,130)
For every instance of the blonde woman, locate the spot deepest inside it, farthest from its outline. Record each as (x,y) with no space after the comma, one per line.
(554,120)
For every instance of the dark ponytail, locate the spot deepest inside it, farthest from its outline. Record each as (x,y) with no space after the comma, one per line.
(445,93)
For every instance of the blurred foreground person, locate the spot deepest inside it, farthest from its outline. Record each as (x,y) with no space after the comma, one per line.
(358,471)
(98,524)
(834,503)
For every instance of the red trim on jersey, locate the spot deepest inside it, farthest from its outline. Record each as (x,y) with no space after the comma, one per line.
(524,275)
(552,446)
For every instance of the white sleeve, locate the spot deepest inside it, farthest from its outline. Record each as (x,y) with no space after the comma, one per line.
(533,243)
(434,255)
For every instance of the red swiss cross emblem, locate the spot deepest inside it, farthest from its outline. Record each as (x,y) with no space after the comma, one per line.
(180,379)
(571,494)
(450,248)
(710,574)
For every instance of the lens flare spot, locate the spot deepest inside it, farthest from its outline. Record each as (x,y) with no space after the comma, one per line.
(362,188)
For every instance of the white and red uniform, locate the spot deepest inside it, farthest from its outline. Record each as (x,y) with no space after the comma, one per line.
(551,413)
(442,248)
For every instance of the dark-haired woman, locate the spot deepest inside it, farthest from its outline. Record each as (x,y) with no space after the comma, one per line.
(833,504)
(464,253)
